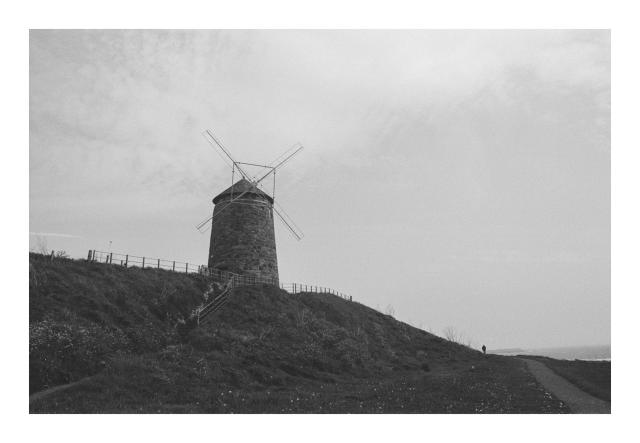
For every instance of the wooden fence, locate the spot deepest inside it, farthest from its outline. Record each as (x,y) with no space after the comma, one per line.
(302,288)
(128,260)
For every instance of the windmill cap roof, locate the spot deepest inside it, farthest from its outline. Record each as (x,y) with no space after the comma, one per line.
(238,188)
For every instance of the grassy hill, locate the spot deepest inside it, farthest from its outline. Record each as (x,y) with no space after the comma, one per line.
(112,332)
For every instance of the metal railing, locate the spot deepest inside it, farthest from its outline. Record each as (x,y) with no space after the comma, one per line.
(128,260)
(239,279)
(206,309)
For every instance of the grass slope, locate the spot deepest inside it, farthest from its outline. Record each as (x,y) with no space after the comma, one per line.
(593,377)
(114,331)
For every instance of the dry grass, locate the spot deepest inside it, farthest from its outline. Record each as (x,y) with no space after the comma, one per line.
(266,351)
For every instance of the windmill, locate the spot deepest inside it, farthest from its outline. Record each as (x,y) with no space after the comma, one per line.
(242,234)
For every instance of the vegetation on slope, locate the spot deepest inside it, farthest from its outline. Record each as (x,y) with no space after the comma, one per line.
(113,330)
(82,313)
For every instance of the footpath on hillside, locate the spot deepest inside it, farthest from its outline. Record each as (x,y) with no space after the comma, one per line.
(578,401)
(41,394)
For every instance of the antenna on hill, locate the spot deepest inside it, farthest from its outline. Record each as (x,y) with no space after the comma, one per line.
(256,183)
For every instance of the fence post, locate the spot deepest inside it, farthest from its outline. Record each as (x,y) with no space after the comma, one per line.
(142,262)
(158,263)
(174,265)
(89,256)
(350,298)
(111,258)
(126,261)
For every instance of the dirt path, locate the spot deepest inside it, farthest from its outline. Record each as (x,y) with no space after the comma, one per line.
(38,395)
(578,401)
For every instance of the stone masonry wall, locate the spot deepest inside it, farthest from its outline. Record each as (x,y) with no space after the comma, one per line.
(243,239)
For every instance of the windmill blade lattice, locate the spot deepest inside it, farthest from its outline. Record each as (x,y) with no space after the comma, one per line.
(255,184)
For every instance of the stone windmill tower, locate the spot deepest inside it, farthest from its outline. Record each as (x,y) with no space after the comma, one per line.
(242,229)
(243,239)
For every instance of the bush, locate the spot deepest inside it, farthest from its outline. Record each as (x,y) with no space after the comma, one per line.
(60,352)
(352,353)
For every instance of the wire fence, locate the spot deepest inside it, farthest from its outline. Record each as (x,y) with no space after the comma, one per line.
(128,260)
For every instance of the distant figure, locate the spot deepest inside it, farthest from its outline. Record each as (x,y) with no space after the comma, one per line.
(484,349)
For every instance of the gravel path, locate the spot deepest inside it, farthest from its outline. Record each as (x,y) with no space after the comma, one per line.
(578,401)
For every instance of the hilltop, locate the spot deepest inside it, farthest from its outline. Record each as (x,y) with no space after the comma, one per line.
(112,332)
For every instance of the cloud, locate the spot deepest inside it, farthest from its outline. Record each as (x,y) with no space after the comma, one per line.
(135,101)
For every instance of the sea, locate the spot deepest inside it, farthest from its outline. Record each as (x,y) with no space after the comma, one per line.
(595,353)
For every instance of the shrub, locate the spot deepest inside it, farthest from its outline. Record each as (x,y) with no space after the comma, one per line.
(351,352)
(60,352)
(390,310)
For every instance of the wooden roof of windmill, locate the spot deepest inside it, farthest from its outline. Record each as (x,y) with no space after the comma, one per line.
(238,188)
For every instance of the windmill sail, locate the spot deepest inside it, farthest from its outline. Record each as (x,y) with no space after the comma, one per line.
(288,222)
(255,184)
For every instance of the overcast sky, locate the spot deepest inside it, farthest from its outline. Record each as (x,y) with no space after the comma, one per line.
(462,177)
